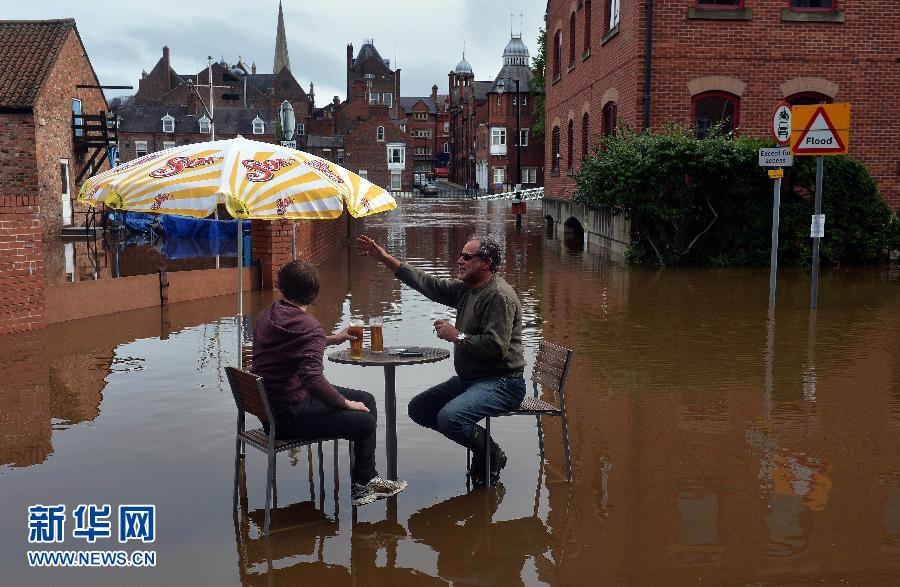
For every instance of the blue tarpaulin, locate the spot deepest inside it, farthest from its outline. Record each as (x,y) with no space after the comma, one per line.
(180,248)
(199,228)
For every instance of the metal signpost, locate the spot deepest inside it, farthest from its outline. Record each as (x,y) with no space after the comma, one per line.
(819,129)
(779,158)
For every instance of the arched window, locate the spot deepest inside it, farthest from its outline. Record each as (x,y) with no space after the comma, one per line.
(585,134)
(587,27)
(572,40)
(557,54)
(803,98)
(712,108)
(259,126)
(610,112)
(554,153)
(204,124)
(168,123)
(570,146)
(379,134)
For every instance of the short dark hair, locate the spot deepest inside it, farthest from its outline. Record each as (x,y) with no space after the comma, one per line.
(489,249)
(299,281)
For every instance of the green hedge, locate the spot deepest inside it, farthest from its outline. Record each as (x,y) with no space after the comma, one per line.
(708,201)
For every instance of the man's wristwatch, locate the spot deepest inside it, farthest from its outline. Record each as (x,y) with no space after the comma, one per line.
(460,338)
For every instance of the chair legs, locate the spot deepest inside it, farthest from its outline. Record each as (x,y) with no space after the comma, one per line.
(270,473)
(565,432)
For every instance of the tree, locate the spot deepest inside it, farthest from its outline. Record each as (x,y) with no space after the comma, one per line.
(537,86)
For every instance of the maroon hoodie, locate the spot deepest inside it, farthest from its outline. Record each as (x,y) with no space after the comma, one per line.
(288,346)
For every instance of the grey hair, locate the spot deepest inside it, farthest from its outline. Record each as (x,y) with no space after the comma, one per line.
(489,248)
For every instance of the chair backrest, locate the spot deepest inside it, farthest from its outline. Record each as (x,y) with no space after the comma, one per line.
(551,368)
(249,393)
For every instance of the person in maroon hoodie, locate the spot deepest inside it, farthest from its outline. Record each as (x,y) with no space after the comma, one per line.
(288,347)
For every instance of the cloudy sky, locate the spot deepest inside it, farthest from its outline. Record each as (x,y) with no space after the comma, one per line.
(424,37)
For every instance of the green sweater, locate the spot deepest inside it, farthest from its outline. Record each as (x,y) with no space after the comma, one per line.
(490,316)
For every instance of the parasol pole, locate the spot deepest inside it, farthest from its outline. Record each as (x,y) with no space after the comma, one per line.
(240,280)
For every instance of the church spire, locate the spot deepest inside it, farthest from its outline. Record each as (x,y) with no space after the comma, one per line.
(282,59)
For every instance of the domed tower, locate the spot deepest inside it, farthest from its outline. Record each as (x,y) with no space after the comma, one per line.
(461,77)
(516,66)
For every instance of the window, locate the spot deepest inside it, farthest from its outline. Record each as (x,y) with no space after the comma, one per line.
(363,173)
(570,147)
(499,174)
(612,10)
(374,97)
(557,54)
(79,122)
(523,137)
(529,175)
(326,154)
(420,115)
(340,155)
(804,98)
(259,127)
(587,28)
(711,108)
(813,4)
(554,153)
(64,176)
(168,145)
(388,98)
(585,134)
(379,134)
(204,124)
(610,111)
(498,141)
(301,128)
(572,41)
(446,147)
(446,127)
(525,100)
(140,149)
(396,154)
(396,182)
(168,123)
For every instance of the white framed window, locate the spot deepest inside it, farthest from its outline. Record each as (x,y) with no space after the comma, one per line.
(326,154)
(525,100)
(446,127)
(529,175)
(613,14)
(498,100)
(301,128)
(498,140)
(421,116)
(446,147)
(65,187)
(259,126)
(340,155)
(76,109)
(379,134)
(523,137)
(363,173)
(396,156)
(204,124)
(373,97)
(499,174)
(140,149)
(388,98)
(396,181)
(168,123)
(168,145)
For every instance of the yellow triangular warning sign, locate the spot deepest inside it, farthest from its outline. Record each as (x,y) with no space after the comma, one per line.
(819,137)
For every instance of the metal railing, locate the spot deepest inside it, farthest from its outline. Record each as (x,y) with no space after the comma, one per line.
(529,194)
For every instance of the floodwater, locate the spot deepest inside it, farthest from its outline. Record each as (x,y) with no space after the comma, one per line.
(712,440)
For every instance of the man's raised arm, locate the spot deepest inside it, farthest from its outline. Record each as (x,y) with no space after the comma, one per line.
(368,247)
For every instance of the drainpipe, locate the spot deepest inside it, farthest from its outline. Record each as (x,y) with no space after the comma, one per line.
(648,65)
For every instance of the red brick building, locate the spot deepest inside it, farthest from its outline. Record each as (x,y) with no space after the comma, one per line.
(699,62)
(484,142)
(42,63)
(425,118)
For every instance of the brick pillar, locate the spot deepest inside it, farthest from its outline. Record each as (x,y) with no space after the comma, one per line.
(271,244)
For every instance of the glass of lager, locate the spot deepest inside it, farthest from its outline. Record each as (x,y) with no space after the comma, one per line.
(376,335)
(356,329)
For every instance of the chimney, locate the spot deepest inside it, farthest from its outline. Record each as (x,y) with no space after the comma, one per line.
(434,94)
(349,66)
(191,102)
(253,68)
(336,101)
(167,68)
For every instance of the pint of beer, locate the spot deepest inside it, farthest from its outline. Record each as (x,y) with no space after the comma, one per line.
(376,333)
(356,329)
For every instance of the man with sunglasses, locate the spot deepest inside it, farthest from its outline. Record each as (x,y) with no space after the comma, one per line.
(487,354)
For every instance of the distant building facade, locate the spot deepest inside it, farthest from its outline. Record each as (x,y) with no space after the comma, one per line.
(426,120)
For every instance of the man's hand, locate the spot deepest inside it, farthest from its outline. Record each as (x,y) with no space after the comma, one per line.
(367,247)
(445,330)
(357,406)
(339,337)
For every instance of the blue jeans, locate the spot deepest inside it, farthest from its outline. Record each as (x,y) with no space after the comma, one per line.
(455,406)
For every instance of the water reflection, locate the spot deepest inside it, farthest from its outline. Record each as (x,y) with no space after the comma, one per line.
(712,438)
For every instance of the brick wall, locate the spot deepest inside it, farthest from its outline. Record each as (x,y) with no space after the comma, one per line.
(362,151)
(22,279)
(25,429)
(761,53)
(53,131)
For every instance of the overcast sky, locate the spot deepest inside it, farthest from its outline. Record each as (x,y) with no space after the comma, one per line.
(424,37)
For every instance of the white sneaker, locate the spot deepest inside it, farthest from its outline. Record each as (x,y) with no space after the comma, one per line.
(377,488)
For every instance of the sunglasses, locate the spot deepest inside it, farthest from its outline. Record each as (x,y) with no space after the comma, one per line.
(469,256)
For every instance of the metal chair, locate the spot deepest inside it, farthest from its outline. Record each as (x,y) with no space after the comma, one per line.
(250,396)
(551,368)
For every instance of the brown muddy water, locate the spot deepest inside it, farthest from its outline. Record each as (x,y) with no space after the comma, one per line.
(712,441)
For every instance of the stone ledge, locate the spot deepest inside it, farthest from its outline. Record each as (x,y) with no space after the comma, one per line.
(609,35)
(720,13)
(789,15)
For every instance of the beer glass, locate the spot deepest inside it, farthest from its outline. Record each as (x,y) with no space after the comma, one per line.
(356,329)
(376,334)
